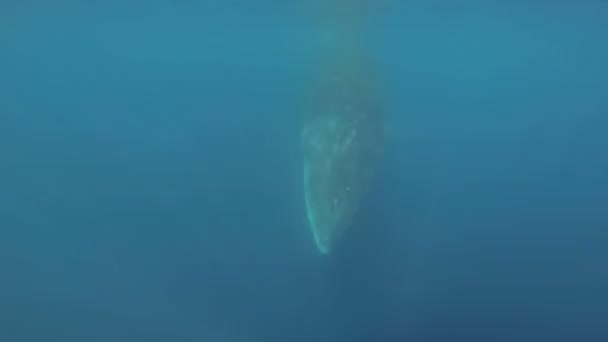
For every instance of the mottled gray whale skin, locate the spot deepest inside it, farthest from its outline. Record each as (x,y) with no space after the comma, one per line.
(342,141)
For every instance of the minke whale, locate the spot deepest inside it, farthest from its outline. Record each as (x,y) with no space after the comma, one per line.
(342,141)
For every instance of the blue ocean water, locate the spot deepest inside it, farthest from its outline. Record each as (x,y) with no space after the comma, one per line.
(151,182)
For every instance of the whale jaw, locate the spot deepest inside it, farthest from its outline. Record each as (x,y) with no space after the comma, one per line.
(326,223)
(340,153)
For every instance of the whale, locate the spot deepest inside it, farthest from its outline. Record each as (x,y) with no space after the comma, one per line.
(342,141)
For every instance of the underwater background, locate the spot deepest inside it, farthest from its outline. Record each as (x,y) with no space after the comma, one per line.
(151,177)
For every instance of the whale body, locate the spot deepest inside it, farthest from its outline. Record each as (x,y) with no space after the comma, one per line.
(342,140)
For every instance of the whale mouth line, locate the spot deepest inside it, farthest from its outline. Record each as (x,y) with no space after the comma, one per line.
(312,221)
